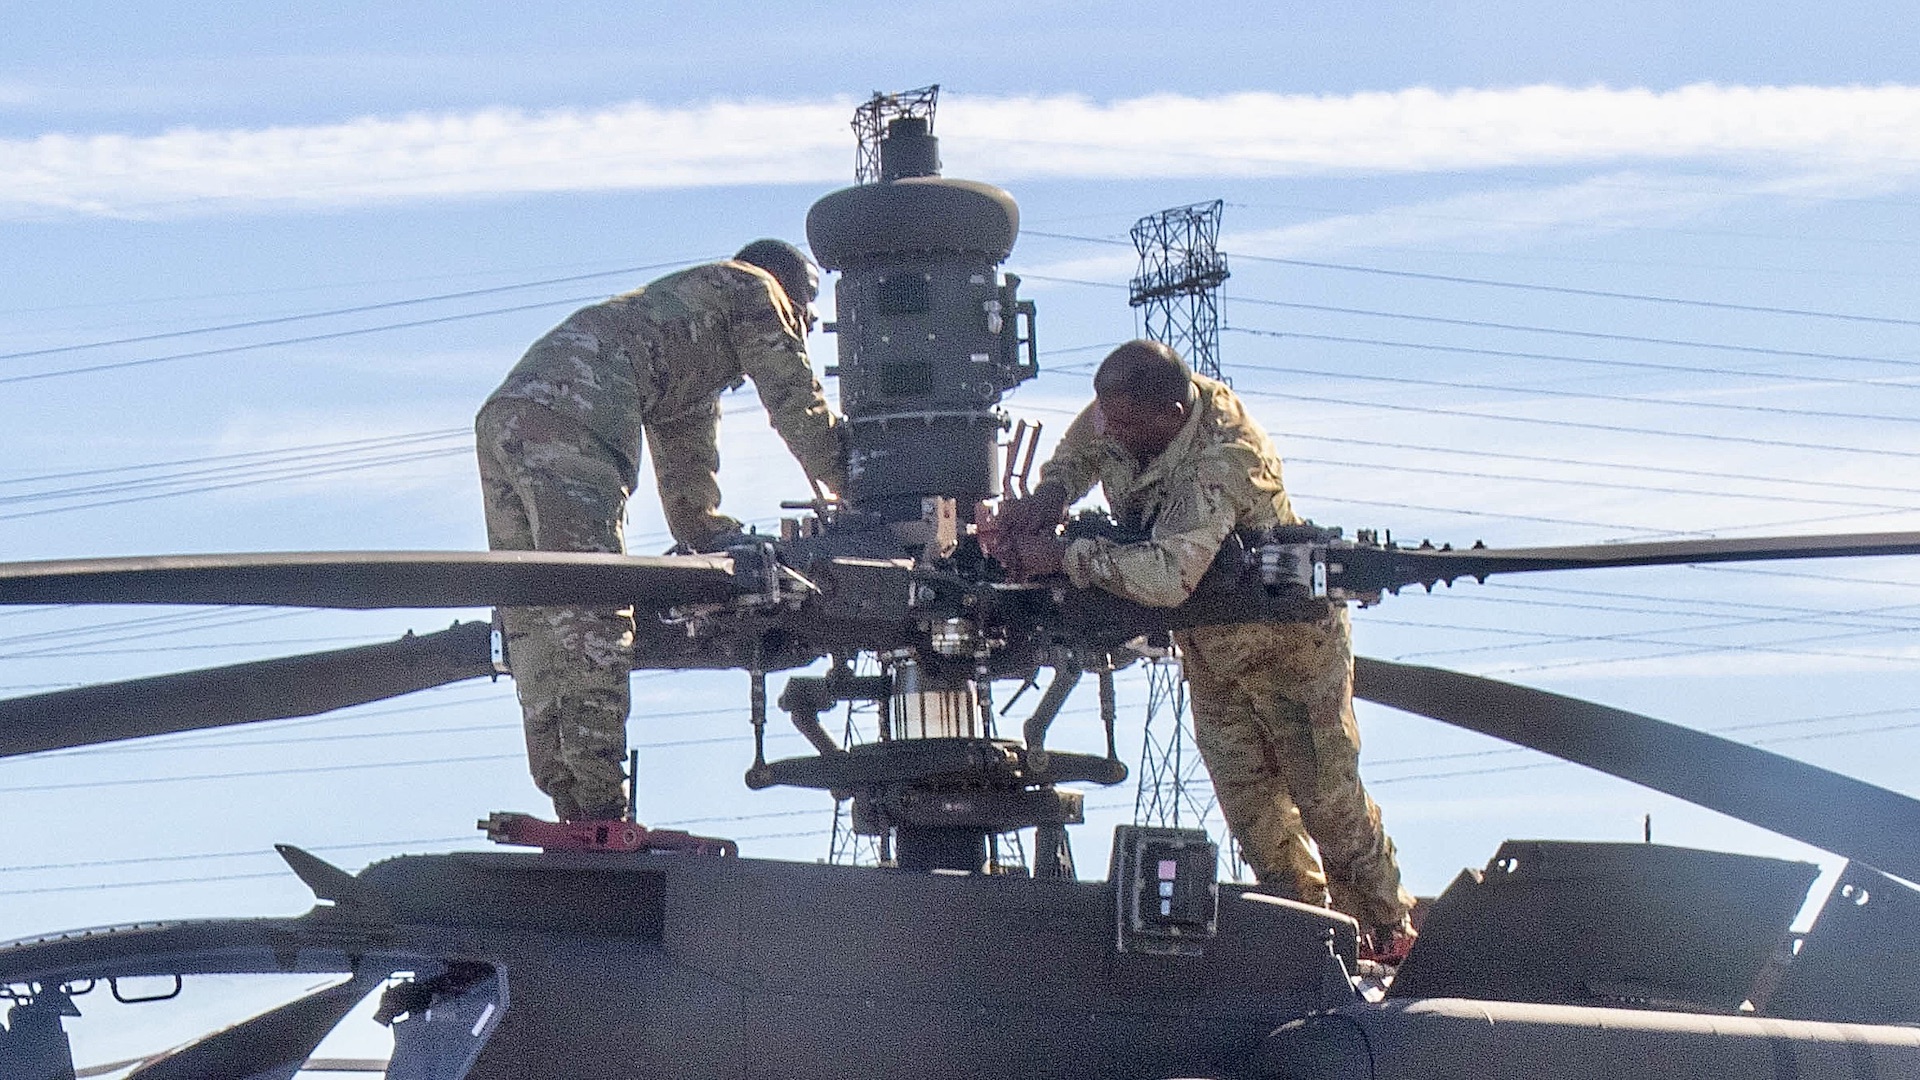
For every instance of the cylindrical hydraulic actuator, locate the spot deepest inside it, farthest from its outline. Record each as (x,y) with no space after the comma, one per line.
(930,335)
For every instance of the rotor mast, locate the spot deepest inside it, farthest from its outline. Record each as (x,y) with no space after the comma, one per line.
(930,336)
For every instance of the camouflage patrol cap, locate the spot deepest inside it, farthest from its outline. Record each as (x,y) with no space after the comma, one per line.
(788,265)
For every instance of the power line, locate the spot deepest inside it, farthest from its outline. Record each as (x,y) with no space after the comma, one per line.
(1771,410)
(1401,212)
(308,339)
(1565,290)
(171,622)
(1397,505)
(1639,365)
(1564,482)
(147,860)
(1583,425)
(371,442)
(1643,636)
(1457,774)
(1807,615)
(151,883)
(197,647)
(256,773)
(459,729)
(1612,594)
(1418,759)
(305,474)
(335,312)
(1687,649)
(290,466)
(1589,361)
(1810,577)
(1592,335)
(332,286)
(1667,470)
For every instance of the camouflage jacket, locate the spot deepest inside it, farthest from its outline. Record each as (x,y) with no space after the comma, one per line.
(662,352)
(1221,473)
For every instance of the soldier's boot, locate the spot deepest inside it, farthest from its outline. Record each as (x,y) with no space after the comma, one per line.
(594,799)
(603,810)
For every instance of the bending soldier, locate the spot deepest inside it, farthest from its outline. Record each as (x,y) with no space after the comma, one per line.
(1179,458)
(559,447)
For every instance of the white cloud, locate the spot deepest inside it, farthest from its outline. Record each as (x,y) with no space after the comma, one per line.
(1846,132)
(1491,218)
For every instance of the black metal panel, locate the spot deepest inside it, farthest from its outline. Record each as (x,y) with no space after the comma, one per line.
(1851,966)
(604,895)
(1623,924)
(805,972)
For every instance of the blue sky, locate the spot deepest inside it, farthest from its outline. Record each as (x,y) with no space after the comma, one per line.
(167,172)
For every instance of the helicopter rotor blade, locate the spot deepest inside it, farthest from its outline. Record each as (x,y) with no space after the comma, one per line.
(271,1046)
(1365,568)
(375,579)
(245,693)
(1825,809)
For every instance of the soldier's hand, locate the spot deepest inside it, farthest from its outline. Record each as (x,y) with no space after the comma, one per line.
(1038,513)
(1031,556)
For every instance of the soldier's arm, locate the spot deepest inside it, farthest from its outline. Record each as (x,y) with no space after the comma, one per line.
(1075,465)
(1065,478)
(773,353)
(1164,571)
(686,463)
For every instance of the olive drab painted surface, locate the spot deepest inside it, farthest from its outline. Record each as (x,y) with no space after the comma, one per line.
(559,448)
(1272,703)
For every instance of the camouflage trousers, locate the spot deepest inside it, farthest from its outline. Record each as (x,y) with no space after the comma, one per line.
(551,486)
(1273,717)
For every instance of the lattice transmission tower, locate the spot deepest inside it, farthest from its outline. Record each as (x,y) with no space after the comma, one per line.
(1178,287)
(1178,294)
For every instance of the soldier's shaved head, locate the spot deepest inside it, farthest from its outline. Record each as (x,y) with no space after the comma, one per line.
(1143,396)
(1145,372)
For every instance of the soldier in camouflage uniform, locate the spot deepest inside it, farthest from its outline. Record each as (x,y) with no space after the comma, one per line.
(1179,458)
(559,447)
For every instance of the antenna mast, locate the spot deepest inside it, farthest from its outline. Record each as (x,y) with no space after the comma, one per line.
(1178,294)
(870,122)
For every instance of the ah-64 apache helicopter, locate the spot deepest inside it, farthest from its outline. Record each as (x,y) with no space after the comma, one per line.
(631,953)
